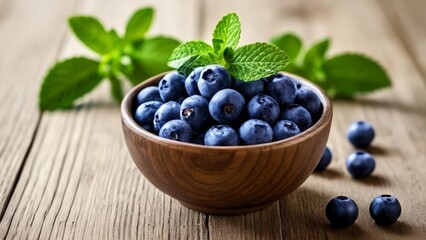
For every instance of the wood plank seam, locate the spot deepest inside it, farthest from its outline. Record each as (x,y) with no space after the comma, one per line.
(33,139)
(21,168)
(397,27)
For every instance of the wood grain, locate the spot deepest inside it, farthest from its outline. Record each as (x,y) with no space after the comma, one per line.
(79,181)
(26,51)
(408,22)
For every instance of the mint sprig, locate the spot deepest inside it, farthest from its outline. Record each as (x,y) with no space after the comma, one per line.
(247,63)
(133,56)
(343,76)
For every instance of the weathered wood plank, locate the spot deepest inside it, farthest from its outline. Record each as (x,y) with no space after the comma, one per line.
(79,180)
(398,115)
(27,46)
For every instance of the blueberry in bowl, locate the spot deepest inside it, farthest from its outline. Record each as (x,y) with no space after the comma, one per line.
(228,164)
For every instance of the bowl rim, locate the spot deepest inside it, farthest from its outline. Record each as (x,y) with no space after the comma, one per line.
(127,119)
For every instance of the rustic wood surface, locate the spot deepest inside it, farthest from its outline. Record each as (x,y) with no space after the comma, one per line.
(68,174)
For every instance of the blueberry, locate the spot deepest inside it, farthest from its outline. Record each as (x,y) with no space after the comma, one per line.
(282,89)
(177,130)
(195,111)
(198,137)
(168,111)
(325,160)
(310,101)
(385,209)
(298,115)
(147,94)
(341,211)
(269,79)
(360,134)
(284,129)
(226,105)
(297,83)
(249,89)
(172,87)
(144,114)
(192,80)
(360,164)
(212,79)
(221,135)
(255,131)
(263,107)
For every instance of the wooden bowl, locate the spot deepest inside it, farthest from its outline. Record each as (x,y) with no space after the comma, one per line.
(226,180)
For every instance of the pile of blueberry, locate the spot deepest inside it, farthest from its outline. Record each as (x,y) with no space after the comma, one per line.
(342,211)
(209,107)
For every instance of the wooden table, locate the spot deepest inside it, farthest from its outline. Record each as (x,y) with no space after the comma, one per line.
(68,174)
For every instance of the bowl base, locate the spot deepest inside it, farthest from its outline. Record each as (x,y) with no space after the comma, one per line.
(224,211)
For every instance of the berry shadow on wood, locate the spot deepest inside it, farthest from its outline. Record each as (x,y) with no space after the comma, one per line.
(374,180)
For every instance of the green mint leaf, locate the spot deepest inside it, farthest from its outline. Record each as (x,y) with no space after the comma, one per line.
(350,74)
(257,60)
(315,56)
(150,58)
(139,24)
(67,81)
(289,43)
(191,54)
(227,33)
(116,89)
(91,32)
(115,39)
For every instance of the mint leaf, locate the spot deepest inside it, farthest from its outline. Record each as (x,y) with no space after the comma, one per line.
(350,74)
(91,32)
(289,43)
(150,58)
(68,80)
(315,56)
(227,33)
(115,39)
(116,89)
(190,55)
(139,24)
(257,60)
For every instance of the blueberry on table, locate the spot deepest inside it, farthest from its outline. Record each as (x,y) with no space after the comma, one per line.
(310,101)
(226,105)
(385,209)
(221,135)
(192,80)
(144,114)
(282,89)
(172,87)
(195,111)
(168,111)
(147,94)
(360,164)
(360,134)
(249,89)
(212,79)
(284,129)
(255,131)
(298,115)
(177,130)
(325,160)
(341,212)
(263,107)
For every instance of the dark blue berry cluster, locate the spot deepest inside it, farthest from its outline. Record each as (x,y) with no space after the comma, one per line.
(212,108)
